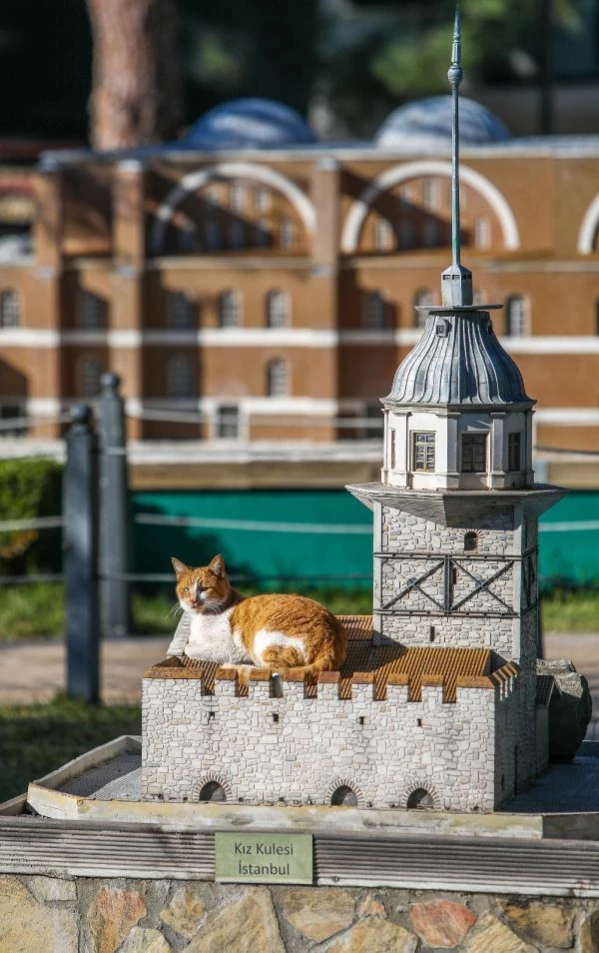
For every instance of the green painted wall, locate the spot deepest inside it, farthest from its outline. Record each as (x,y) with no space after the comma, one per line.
(322,534)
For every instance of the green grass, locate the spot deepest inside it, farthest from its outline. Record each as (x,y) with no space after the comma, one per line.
(571,611)
(36,610)
(37,739)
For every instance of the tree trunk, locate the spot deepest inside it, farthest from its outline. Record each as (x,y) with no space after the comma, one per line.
(136,96)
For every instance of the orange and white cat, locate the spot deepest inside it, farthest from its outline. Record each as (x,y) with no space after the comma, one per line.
(276,632)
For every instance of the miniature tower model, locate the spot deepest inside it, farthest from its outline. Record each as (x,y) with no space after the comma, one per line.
(456,512)
(436,703)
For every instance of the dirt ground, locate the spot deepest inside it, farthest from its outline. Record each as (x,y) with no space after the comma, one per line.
(36,671)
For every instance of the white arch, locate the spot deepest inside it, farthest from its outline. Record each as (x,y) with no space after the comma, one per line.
(588,229)
(400,173)
(230,170)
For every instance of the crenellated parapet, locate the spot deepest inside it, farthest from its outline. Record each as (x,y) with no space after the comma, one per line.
(397,688)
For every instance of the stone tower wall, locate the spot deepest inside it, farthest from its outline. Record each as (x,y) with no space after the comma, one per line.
(422,546)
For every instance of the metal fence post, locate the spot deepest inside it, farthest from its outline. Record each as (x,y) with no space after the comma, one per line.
(115,600)
(80,511)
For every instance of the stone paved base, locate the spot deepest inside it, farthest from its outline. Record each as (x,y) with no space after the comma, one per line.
(45,915)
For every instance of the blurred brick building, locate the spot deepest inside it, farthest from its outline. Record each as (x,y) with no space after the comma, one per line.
(252,289)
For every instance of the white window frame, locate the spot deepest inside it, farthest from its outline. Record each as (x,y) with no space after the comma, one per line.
(482,233)
(90,311)
(517,316)
(180,377)
(229,309)
(278,378)
(376,311)
(180,311)
(10,309)
(89,377)
(384,234)
(278,309)
(287,234)
(218,422)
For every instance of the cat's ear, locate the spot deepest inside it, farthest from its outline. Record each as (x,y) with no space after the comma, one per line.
(179,567)
(217,566)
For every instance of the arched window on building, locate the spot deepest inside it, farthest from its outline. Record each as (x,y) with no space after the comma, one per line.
(420,799)
(236,235)
(344,796)
(90,372)
(431,193)
(407,234)
(517,316)
(229,309)
(180,311)
(213,239)
(277,309)
(212,791)
(288,234)
(384,235)
(423,298)
(262,232)
(261,199)
(188,236)
(180,376)
(431,233)
(10,309)
(277,378)
(482,233)
(237,196)
(92,311)
(376,311)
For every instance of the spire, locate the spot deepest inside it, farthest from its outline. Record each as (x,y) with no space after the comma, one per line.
(456,281)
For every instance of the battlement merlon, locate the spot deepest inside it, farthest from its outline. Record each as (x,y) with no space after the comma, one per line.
(396,688)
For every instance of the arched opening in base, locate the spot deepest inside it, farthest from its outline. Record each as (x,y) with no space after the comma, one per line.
(212,791)
(420,800)
(344,796)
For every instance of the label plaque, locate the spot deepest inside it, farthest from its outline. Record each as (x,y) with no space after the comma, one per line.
(264,858)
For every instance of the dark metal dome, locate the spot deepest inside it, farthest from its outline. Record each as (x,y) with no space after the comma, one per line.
(458,361)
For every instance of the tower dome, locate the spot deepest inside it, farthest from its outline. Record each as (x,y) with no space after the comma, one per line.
(249,124)
(458,361)
(428,122)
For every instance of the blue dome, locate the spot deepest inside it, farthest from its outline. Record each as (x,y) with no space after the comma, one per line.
(249,124)
(428,121)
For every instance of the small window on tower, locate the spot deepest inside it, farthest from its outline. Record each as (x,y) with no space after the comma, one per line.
(424,452)
(474,453)
(470,542)
(514,452)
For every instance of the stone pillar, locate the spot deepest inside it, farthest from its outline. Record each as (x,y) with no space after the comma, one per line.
(46,295)
(324,277)
(128,285)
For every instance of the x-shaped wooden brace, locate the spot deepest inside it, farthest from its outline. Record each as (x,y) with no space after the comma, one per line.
(483,584)
(416,584)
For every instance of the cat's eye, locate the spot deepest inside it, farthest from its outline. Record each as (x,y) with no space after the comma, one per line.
(186,589)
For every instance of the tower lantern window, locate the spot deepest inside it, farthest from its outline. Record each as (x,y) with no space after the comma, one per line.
(514,452)
(424,452)
(474,453)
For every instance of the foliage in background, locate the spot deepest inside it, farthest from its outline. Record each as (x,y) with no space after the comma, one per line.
(36,610)
(37,739)
(29,488)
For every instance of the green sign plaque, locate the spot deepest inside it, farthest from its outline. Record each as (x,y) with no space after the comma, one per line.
(264,858)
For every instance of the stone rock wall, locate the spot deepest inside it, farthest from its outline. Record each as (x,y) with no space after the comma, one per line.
(263,749)
(85,915)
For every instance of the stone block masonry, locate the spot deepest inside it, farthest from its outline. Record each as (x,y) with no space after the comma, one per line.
(299,750)
(41,914)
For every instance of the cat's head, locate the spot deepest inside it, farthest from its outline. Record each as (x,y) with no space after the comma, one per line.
(204,588)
